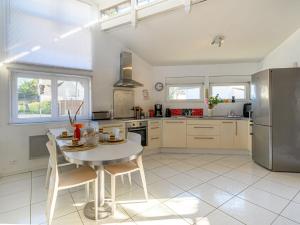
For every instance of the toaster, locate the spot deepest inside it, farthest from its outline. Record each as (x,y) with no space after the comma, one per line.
(101,115)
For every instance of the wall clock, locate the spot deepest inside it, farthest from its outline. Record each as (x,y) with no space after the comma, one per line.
(159,86)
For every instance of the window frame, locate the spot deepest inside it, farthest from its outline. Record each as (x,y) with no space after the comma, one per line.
(245,84)
(53,77)
(200,85)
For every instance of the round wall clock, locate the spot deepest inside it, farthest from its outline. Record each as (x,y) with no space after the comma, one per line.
(159,86)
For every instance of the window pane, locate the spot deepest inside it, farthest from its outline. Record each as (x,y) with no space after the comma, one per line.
(34,97)
(226,92)
(184,93)
(116,10)
(70,97)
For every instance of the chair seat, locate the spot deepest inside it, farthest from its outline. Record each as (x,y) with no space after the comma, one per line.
(76,176)
(121,168)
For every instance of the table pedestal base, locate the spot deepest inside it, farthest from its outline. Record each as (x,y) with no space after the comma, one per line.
(103,211)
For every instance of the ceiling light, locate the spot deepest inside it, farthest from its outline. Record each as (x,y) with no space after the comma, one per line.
(218,40)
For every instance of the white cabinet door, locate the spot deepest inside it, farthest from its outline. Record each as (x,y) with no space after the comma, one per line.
(242,134)
(174,133)
(227,134)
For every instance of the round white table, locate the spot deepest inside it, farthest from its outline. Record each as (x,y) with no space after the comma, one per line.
(97,158)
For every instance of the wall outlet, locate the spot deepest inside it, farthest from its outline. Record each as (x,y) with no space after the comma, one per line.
(12,162)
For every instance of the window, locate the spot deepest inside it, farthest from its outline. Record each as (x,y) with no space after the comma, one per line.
(227,91)
(145,2)
(116,10)
(184,93)
(38,97)
(50,32)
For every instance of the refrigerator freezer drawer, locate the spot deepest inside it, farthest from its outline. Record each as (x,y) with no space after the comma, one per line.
(262,145)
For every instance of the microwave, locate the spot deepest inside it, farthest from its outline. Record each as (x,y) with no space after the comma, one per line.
(101,115)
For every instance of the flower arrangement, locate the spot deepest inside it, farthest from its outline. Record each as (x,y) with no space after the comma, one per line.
(74,119)
(213,101)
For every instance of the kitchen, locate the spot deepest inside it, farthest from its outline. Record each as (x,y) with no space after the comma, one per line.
(198,156)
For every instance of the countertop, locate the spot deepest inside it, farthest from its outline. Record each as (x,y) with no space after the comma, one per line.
(115,121)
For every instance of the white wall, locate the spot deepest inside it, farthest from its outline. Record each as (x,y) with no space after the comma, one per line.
(285,55)
(235,69)
(106,72)
(14,139)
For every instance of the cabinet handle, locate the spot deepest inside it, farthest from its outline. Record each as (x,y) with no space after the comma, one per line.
(205,127)
(236,131)
(153,128)
(206,138)
(226,122)
(174,122)
(155,138)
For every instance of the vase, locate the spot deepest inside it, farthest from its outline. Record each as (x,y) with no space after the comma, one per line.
(210,112)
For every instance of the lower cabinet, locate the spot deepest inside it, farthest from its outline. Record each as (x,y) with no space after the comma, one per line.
(203,141)
(242,134)
(174,133)
(228,130)
(154,134)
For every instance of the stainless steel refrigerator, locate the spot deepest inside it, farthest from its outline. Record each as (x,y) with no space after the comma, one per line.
(275,96)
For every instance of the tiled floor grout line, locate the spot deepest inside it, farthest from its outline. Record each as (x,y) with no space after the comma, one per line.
(280,214)
(75,207)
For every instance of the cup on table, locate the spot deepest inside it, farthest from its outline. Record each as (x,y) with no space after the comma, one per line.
(116,133)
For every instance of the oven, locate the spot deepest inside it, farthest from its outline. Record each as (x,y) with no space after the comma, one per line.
(139,127)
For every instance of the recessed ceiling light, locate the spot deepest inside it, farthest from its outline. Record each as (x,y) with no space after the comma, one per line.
(218,40)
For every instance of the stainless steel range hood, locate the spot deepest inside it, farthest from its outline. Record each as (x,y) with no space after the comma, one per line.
(126,72)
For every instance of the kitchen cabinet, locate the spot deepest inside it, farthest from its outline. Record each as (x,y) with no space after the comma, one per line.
(174,133)
(242,134)
(108,128)
(154,134)
(228,132)
(203,134)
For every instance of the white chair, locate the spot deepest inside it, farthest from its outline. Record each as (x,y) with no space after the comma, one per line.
(73,178)
(61,162)
(126,168)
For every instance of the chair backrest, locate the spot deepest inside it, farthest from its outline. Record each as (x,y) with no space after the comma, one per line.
(54,177)
(137,138)
(51,146)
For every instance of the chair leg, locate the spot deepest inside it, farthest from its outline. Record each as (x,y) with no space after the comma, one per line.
(141,167)
(113,194)
(48,175)
(87,192)
(122,179)
(129,178)
(96,198)
(52,206)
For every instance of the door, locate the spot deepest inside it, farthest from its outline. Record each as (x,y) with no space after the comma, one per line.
(260,97)
(262,145)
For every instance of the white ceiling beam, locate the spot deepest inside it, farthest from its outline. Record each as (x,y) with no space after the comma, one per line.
(133,13)
(187,5)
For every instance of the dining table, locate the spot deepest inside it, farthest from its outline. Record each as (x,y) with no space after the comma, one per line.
(97,158)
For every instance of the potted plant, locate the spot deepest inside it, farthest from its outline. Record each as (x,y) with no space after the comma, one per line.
(212,102)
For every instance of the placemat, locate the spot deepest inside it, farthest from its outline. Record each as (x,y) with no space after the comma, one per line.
(112,143)
(78,149)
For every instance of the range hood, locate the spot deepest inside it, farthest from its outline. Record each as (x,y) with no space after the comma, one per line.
(126,72)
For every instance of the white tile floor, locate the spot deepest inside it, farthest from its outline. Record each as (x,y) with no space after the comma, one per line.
(183,188)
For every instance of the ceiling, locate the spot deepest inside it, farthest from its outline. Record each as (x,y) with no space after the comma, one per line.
(252,29)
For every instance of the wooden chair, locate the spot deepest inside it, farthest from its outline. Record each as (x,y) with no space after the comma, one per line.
(73,178)
(126,168)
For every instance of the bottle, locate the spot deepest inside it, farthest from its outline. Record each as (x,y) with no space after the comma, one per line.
(77,133)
